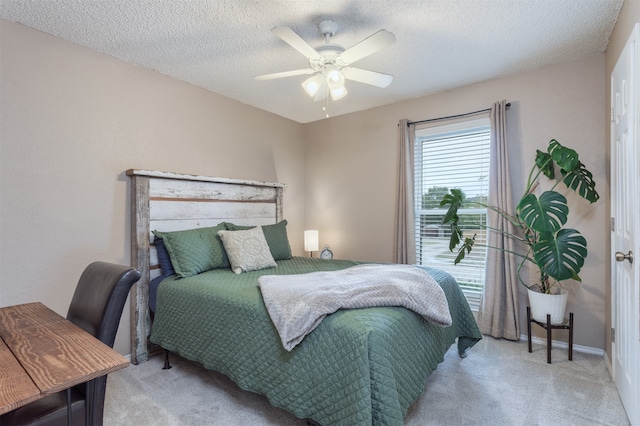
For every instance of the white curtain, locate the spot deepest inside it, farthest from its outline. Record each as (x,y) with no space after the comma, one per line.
(498,315)
(405,243)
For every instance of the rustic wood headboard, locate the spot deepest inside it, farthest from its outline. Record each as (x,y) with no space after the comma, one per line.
(170,202)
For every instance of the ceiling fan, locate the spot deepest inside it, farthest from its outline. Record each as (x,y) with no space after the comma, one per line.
(330,63)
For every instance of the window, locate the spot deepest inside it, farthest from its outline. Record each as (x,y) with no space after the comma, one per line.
(446,157)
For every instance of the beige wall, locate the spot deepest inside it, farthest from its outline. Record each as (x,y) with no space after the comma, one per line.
(73,121)
(629,16)
(351,167)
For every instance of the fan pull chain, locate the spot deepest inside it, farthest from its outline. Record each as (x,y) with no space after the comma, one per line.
(325,108)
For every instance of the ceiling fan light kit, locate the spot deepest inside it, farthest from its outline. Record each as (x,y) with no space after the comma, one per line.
(330,63)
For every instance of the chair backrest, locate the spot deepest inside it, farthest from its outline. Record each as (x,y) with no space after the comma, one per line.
(99,299)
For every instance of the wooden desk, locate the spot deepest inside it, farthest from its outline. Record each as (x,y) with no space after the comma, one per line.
(43,353)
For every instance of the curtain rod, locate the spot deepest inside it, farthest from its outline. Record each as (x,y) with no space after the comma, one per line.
(453,116)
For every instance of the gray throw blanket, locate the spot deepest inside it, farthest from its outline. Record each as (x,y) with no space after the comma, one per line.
(297,303)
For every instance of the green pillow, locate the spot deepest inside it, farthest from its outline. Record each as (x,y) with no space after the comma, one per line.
(193,251)
(276,236)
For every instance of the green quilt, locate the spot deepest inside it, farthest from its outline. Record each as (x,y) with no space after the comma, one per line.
(358,367)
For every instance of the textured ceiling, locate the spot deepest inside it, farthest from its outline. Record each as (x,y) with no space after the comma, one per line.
(221,45)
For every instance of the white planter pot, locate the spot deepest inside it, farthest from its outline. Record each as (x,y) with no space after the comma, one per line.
(552,304)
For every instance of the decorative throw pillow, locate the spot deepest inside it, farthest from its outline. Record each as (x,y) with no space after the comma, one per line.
(247,250)
(193,251)
(166,268)
(276,236)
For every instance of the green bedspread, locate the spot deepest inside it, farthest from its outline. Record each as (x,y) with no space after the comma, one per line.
(358,367)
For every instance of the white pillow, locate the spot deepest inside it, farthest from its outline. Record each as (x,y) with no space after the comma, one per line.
(247,250)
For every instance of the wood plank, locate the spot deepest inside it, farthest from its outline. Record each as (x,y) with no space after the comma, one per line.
(17,387)
(140,252)
(56,353)
(279,204)
(179,176)
(180,210)
(17,317)
(179,225)
(171,189)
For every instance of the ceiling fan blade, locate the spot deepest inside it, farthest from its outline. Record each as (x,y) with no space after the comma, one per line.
(368,46)
(285,74)
(368,77)
(294,40)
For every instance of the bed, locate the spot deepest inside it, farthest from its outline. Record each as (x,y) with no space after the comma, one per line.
(358,367)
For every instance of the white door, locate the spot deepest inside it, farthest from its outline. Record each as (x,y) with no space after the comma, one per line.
(625,211)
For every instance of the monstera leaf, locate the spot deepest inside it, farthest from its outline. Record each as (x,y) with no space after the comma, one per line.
(546,214)
(466,247)
(581,180)
(454,201)
(574,173)
(545,163)
(561,256)
(565,158)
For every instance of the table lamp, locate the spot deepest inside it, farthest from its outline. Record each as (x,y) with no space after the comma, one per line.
(311,241)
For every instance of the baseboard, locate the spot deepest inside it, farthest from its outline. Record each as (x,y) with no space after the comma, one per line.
(607,360)
(565,345)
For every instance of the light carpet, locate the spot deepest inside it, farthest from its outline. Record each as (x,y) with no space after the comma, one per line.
(499,383)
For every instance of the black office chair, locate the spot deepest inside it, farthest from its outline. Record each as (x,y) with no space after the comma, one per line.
(96,307)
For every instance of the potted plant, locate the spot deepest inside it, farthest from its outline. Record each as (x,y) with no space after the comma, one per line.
(558,253)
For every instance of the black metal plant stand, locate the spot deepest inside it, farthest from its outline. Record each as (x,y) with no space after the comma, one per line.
(566,325)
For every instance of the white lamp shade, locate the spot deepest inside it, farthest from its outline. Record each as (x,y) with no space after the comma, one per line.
(335,77)
(338,93)
(312,84)
(311,240)
(335,80)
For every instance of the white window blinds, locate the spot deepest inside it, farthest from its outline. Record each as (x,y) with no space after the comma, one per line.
(446,157)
